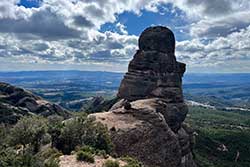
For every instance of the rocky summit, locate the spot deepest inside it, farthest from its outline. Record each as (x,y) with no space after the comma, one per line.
(147,121)
(154,71)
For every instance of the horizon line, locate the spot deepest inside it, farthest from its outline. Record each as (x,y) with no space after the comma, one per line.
(59,70)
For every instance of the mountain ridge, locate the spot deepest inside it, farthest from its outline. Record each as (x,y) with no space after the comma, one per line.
(16,102)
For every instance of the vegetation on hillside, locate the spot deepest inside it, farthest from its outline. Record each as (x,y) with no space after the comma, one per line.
(38,142)
(222,137)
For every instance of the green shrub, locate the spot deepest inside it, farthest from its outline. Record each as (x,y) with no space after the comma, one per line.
(111,163)
(48,153)
(102,153)
(88,149)
(29,130)
(131,162)
(9,158)
(79,132)
(54,128)
(51,162)
(4,131)
(85,156)
(247,122)
(46,139)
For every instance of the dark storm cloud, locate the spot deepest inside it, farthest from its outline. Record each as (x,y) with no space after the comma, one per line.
(40,47)
(3,46)
(114,45)
(51,58)
(105,56)
(212,7)
(221,26)
(223,30)
(43,23)
(94,11)
(101,55)
(82,21)
(18,53)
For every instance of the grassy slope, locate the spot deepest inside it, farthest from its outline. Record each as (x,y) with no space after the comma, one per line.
(219,127)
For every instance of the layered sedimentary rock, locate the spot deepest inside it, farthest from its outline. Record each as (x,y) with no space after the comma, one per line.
(147,122)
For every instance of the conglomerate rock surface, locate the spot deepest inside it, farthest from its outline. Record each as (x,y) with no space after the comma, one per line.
(147,122)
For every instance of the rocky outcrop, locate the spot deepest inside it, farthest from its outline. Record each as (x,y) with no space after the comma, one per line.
(147,122)
(154,72)
(97,104)
(16,102)
(142,132)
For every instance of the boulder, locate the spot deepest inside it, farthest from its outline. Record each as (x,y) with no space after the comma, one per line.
(142,132)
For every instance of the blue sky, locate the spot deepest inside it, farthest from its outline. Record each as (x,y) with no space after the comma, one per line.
(137,23)
(212,36)
(29,3)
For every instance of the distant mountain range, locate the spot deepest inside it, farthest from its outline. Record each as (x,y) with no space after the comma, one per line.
(71,88)
(189,78)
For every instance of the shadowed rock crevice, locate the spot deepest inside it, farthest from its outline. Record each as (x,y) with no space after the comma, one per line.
(147,122)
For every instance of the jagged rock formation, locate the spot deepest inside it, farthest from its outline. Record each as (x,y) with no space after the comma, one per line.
(147,123)
(16,102)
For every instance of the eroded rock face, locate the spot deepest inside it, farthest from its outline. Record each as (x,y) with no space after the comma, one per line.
(142,132)
(16,102)
(157,38)
(147,123)
(153,74)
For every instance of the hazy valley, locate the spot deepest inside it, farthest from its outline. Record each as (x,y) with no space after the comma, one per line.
(72,89)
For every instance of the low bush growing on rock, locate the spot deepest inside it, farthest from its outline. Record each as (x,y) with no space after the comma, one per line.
(131,162)
(102,153)
(85,156)
(51,162)
(79,132)
(10,158)
(49,157)
(111,163)
(88,149)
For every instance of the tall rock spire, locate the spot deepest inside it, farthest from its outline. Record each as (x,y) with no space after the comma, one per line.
(154,71)
(147,122)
